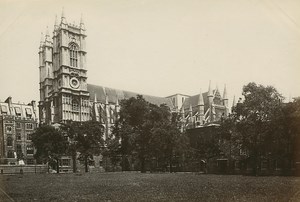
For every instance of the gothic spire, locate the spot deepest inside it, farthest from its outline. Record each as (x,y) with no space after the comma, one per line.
(63,13)
(47,37)
(47,31)
(106,99)
(233,102)
(95,98)
(225,93)
(217,89)
(200,100)
(210,93)
(182,112)
(63,18)
(55,23)
(82,23)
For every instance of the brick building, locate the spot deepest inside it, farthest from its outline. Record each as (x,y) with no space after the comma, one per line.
(17,123)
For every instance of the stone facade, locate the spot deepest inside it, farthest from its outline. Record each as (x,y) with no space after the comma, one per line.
(17,123)
(65,94)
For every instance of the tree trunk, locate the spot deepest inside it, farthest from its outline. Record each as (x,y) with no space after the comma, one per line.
(86,163)
(74,162)
(57,165)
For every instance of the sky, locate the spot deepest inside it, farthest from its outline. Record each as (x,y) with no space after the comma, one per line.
(159,47)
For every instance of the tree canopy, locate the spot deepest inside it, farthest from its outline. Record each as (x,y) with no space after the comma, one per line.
(145,131)
(50,144)
(256,121)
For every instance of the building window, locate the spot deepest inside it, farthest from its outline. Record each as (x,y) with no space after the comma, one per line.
(18,136)
(29,136)
(8,129)
(18,125)
(18,111)
(29,149)
(19,149)
(73,55)
(75,106)
(29,126)
(65,162)
(3,109)
(9,141)
(10,154)
(28,112)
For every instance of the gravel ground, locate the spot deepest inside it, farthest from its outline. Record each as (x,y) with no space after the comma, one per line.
(147,187)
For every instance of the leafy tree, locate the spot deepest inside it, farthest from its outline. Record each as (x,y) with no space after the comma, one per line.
(135,128)
(254,120)
(205,144)
(141,127)
(89,140)
(50,144)
(70,130)
(286,130)
(167,142)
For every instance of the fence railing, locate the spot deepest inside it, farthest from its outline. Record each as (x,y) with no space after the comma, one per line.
(20,169)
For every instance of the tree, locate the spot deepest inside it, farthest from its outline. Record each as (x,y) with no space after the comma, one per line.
(167,142)
(50,144)
(205,145)
(286,129)
(89,140)
(141,126)
(134,129)
(70,130)
(254,119)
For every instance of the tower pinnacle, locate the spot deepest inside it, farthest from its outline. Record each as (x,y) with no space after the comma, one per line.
(47,37)
(233,102)
(55,23)
(225,93)
(200,100)
(82,23)
(63,18)
(210,93)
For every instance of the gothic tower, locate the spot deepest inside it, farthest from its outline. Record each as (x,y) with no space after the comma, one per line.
(63,74)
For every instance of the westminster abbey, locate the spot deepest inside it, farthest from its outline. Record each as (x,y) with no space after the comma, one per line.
(66,96)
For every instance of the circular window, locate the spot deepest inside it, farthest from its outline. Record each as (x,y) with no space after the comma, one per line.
(74,83)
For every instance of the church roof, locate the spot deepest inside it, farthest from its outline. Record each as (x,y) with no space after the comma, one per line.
(113,94)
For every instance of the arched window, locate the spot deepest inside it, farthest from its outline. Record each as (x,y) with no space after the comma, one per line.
(9,141)
(10,154)
(73,55)
(29,149)
(75,105)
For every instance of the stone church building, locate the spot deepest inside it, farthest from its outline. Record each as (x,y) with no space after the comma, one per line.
(65,94)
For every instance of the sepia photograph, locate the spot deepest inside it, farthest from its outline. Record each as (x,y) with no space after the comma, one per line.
(149,100)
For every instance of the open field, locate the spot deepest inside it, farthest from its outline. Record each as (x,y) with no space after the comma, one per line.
(147,187)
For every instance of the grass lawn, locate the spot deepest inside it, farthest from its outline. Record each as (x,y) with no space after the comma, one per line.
(147,187)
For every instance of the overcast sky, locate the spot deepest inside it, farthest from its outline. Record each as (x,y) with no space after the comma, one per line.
(160,47)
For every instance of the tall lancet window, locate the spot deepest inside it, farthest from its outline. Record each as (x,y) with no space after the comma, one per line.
(75,105)
(73,55)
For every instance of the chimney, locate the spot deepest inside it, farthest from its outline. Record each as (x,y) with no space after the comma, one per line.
(9,101)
